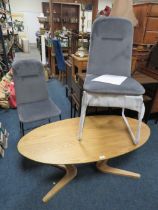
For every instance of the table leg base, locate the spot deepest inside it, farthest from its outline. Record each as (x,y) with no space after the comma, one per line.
(105,168)
(71,172)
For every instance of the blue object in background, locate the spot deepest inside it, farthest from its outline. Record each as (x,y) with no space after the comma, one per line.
(59,55)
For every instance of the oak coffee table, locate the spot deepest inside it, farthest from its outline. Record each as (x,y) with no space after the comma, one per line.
(104,137)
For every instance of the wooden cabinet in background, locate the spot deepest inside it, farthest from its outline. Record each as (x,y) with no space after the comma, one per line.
(46,12)
(62,14)
(66,15)
(79,65)
(70,14)
(146,32)
(154,74)
(155,104)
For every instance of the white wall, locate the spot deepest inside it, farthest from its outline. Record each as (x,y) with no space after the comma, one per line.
(103,3)
(31,9)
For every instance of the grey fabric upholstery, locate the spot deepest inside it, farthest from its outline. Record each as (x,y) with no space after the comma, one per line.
(29,81)
(110,47)
(128,87)
(111,53)
(35,111)
(33,102)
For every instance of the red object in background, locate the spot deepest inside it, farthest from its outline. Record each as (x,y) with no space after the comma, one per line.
(12,97)
(106,11)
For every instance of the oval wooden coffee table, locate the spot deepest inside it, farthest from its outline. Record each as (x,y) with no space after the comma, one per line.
(104,137)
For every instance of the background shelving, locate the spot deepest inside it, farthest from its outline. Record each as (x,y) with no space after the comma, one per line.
(6,36)
(63,14)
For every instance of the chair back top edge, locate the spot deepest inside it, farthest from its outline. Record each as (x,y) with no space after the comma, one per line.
(110,46)
(29,79)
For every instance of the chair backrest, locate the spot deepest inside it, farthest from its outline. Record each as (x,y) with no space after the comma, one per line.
(30,85)
(110,46)
(59,55)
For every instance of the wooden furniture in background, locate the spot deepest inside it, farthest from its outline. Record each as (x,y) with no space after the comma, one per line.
(151,87)
(68,78)
(140,56)
(79,65)
(155,104)
(148,79)
(104,137)
(146,62)
(68,14)
(62,14)
(146,32)
(150,84)
(75,41)
(46,12)
(153,74)
(95,9)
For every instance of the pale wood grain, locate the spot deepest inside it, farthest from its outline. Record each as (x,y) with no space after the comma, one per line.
(104,136)
(105,168)
(71,172)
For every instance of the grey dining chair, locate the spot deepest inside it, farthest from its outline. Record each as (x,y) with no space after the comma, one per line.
(33,102)
(110,54)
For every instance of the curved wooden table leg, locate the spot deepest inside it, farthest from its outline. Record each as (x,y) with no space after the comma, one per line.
(103,167)
(71,172)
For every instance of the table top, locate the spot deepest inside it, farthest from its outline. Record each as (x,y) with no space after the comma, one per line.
(104,137)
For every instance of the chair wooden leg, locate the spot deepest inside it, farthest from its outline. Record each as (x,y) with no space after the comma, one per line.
(71,172)
(105,168)
(60,116)
(60,76)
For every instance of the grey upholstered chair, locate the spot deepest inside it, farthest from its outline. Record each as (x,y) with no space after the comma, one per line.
(33,102)
(111,53)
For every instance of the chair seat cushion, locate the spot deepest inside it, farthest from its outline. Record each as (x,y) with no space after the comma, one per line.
(129,87)
(37,111)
